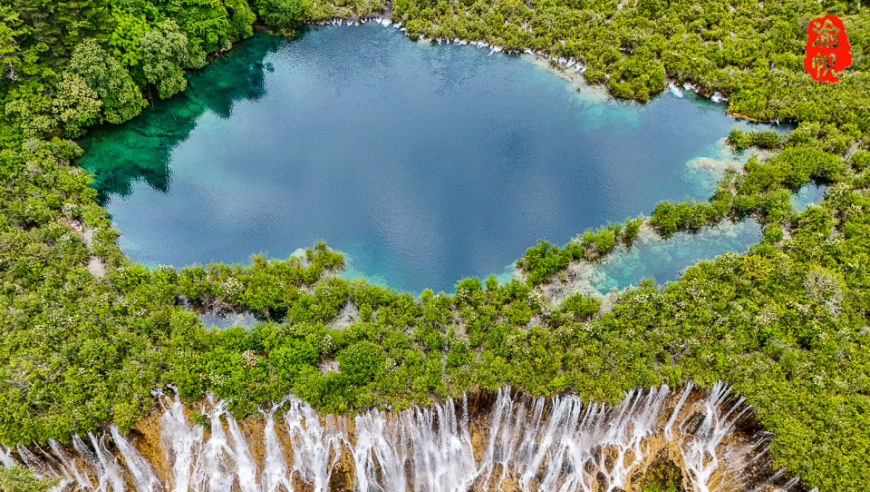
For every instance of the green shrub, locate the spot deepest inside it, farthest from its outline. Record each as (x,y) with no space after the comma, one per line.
(545,259)
(765,139)
(580,306)
(860,160)
(285,16)
(632,227)
(773,235)
(17,478)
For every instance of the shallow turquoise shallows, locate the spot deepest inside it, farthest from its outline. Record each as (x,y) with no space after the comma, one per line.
(423,163)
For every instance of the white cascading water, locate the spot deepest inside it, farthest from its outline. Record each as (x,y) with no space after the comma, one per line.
(532,444)
(555,452)
(420,449)
(141,471)
(707,462)
(180,442)
(319,445)
(109,472)
(68,463)
(6,457)
(699,451)
(276,473)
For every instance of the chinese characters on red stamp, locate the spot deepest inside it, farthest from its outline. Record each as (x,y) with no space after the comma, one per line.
(828,49)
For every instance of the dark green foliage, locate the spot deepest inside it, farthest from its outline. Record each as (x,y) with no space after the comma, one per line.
(284,15)
(545,259)
(751,52)
(51,29)
(670,217)
(166,51)
(111,82)
(580,307)
(604,239)
(632,227)
(773,235)
(861,159)
(362,363)
(767,139)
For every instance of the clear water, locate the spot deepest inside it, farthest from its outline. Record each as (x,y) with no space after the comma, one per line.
(666,259)
(215,320)
(424,163)
(808,194)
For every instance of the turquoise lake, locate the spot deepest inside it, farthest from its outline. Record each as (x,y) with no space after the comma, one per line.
(423,163)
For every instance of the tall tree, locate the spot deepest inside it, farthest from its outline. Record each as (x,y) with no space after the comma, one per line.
(12,29)
(284,15)
(121,97)
(59,25)
(204,21)
(72,106)
(166,52)
(75,105)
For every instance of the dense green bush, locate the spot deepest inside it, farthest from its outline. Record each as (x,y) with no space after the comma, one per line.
(17,478)
(632,227)
(545,259)
(670,217)
(166,52)
(580,307)
(860,159)
(285,16)
(766,139)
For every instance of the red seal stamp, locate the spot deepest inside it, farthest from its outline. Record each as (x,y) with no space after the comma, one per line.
(828,49)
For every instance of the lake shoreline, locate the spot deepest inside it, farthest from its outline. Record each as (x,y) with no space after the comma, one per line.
(558,65)
(514,99)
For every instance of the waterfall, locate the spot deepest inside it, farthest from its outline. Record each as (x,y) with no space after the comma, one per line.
(316,447)
(275,471)
(420,449)
(137,465)
(561,451)
(700,449)
(224,458)
(668,433)
(514,441)
(109,474)
(68,463)
(6,457)
(180,441)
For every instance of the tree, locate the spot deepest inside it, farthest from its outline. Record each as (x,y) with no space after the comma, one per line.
(17,478)
(121,97)
(241,19)
(59,25)
(166,52)
(32,109)
(11,54)
(284,15)
(71,106)
(650,9)
(124,41)
(75,105)
(204,21)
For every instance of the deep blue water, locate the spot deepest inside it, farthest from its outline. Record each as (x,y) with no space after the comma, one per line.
(424,163)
